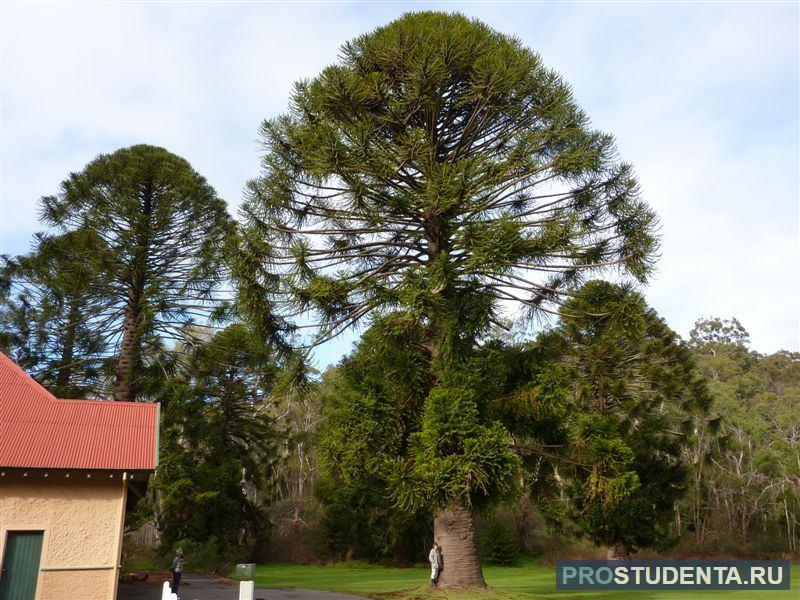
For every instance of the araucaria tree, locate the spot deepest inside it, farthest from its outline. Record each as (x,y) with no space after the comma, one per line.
(46,314)
(219,446)
(440,168)
(163,229)
(632,397)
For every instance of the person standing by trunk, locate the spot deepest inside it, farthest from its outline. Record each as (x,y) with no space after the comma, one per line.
(177,570)
(435,558)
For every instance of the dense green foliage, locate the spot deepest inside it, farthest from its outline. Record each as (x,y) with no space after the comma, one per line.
(634,396)
(372,406)
(698,457)
(499,545)
(459,453)
(384,460)
(219,444)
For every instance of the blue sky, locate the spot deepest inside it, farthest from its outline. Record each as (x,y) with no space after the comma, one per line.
(702,98)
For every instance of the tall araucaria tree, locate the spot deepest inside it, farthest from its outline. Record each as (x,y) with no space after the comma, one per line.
(439,168)
(165,229)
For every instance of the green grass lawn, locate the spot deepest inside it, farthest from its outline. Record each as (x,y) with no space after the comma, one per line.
(528,580)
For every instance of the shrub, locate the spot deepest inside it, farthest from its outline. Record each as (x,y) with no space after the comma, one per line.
(499,545)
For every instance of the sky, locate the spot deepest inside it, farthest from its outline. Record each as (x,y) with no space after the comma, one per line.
(701,97)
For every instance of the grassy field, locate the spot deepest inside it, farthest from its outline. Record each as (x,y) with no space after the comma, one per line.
(527,581)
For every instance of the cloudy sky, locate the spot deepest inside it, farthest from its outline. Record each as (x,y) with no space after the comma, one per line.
(702,97)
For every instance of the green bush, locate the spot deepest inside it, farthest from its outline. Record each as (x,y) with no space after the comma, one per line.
(499,545)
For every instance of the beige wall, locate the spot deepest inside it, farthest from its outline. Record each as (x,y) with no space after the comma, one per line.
(82,522)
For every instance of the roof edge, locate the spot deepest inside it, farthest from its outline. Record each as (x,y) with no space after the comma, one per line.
(158,433)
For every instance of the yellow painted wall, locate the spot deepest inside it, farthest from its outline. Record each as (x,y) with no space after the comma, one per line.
(82,522)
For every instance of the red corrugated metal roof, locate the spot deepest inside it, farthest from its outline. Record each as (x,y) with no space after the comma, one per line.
(40,431)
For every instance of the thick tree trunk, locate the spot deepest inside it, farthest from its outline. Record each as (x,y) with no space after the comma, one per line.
(131,332)
(454,530)
(128,356)
(618,551)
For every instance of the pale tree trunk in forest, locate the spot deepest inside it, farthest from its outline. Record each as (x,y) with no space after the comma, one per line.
(618,551)
(454,530)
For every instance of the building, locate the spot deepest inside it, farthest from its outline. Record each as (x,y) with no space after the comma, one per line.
(67,470)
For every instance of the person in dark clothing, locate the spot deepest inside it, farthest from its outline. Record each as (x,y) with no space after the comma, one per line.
(177,570)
